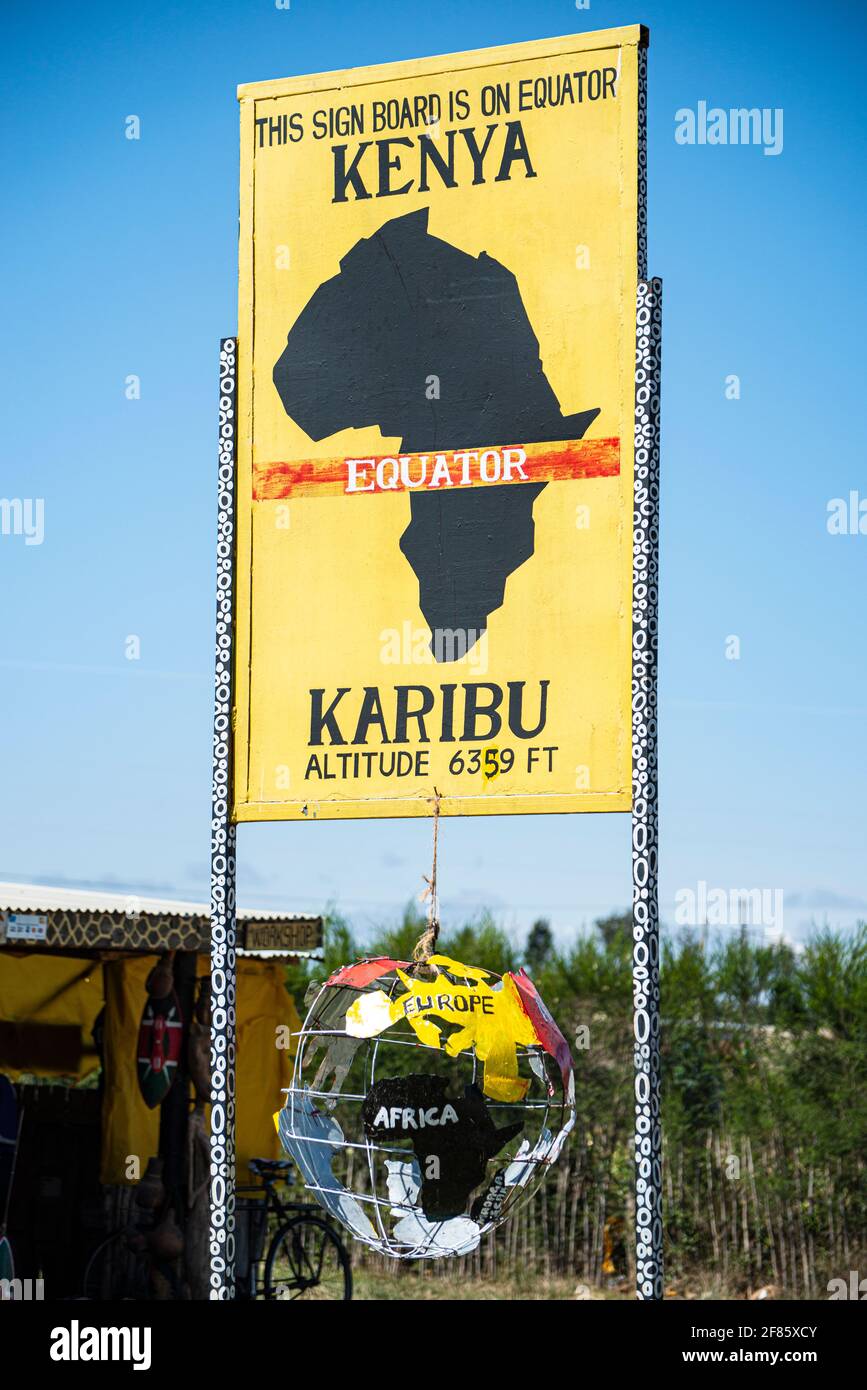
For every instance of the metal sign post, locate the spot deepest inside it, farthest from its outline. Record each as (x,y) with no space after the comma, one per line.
(221,1244)
(645,904)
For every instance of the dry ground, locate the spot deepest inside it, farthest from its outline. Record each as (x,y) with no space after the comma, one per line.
(407,1283)
(410,1285)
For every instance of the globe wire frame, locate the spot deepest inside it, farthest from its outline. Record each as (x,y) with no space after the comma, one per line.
(386,1244)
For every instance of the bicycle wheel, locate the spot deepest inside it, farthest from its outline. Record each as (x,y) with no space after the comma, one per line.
(114,1271)
(307,1259)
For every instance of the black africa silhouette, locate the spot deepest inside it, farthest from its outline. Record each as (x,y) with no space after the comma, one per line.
(463,1145)
(407,306)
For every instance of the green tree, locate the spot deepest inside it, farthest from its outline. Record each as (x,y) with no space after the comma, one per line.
(539,948)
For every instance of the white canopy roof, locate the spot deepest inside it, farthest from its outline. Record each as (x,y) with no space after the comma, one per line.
(36,897)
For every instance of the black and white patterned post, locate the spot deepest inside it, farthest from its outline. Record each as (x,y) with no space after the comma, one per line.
(645,903)
(221,1245)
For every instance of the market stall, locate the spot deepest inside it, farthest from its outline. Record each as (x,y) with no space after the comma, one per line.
(104,1028)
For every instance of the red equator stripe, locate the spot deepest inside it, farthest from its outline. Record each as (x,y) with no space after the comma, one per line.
(563,461)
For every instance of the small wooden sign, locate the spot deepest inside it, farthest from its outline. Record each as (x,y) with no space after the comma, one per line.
(304,935)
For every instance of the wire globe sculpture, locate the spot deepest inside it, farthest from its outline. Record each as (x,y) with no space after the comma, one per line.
(427,1102)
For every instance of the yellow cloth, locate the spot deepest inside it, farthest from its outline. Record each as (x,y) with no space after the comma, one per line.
(130,1129)
(54,991)
(67,991)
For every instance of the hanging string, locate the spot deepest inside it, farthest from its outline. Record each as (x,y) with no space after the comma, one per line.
(425,947)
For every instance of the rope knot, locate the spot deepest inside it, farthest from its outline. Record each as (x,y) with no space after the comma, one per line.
(425,947)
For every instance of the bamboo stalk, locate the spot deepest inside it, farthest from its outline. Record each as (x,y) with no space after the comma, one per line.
(710,1200)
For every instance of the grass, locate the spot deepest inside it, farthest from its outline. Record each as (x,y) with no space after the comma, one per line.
(408,1284)
(412,1282)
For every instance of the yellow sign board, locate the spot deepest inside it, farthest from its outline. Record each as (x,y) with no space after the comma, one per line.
(438,270)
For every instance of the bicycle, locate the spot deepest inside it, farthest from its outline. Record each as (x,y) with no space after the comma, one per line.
(306,1257)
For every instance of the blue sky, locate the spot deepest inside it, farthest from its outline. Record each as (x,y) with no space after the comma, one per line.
(120,258)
